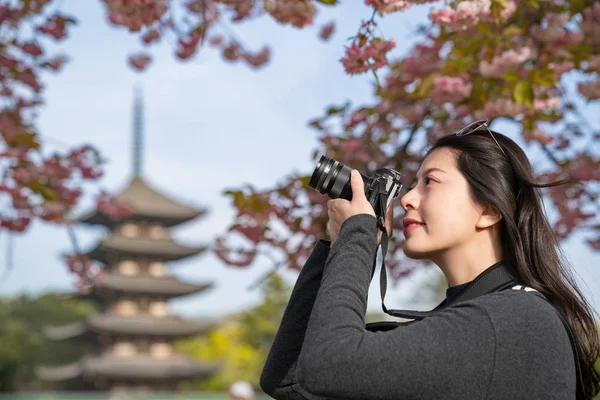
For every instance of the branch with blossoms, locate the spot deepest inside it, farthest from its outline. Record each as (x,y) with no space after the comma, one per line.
(493,59)
(367,52)
(195,22)
(480,59)
(31,191)
(35,186)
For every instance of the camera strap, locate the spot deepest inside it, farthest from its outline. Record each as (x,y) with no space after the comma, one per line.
(494,279)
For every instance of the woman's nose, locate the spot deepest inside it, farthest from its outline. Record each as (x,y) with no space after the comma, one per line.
(409,200)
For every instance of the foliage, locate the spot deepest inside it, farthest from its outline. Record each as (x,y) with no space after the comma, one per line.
(496,59)
(508,60)
(23,346)
(242,342)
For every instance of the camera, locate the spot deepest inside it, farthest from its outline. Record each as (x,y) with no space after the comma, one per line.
(332,178)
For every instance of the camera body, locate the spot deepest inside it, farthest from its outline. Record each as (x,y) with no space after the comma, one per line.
(332,178)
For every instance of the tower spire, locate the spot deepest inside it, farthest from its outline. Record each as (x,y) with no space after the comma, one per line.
(138,127)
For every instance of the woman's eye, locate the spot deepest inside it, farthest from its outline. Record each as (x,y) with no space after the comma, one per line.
(427,180)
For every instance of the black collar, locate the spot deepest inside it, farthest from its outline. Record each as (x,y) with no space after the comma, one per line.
(498,277)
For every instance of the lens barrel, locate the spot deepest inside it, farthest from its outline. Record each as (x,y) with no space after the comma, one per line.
(332,178)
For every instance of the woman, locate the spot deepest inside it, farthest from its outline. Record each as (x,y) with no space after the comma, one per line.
(473,207)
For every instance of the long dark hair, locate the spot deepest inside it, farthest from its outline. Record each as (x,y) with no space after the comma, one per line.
(507,182)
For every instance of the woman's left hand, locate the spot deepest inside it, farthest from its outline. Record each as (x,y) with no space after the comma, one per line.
(339,210)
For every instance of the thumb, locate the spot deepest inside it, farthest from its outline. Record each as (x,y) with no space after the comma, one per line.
(357,184)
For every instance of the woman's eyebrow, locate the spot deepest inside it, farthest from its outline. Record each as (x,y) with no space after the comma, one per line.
(428,170)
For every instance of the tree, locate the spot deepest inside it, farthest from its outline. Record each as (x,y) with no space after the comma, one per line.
(498,59)
(23,345)
(242,342)
(514,60)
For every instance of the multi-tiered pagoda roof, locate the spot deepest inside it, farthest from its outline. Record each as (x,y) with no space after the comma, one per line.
(135,329)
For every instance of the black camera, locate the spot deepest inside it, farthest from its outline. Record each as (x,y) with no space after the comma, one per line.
(332,178)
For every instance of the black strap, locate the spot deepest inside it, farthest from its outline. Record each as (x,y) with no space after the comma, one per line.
(497,277)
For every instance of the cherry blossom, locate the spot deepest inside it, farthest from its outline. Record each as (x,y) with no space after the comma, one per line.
(298,13)
(369,56)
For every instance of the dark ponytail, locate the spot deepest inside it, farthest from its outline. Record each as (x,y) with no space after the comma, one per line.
(506,181)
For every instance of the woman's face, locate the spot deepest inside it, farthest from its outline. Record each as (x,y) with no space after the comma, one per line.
(440,200)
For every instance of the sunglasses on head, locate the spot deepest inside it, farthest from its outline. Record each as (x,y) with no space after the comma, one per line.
(472,127)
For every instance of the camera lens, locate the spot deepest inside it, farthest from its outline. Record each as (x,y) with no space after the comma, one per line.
(332,178)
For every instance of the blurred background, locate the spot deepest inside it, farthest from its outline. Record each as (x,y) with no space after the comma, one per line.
(176,137)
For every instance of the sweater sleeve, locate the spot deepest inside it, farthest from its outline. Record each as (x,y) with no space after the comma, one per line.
(449,355)
(278,377)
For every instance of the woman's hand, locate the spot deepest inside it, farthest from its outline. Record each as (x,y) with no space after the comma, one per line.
(339,210)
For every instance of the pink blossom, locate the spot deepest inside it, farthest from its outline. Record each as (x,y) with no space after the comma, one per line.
(55,26)
(505,62)
(424,59)
(298,13)
(326,31)
(7,62)
(589,25)
(500,107)
(384,7)
(29,78)
(32,49)
(538,135)
(241,8)
(139,61)
(259,59)
(561,67)
(465,15)
(356,118)
(53,211)
(412,113)
(57,62)
(135,14)
(591,90)
(350,146)
(113,208)
(450,89)
(550,104)
(216,40)
(370,56)
(68,196)
(593,63)
(151,36)
(188,45)
(232,52)
(17,224)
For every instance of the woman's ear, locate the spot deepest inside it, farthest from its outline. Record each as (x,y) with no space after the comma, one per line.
(489,216)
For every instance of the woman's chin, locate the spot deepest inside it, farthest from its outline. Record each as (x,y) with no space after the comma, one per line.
(415,254)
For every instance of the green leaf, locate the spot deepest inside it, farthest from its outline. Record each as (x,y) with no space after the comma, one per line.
(335,110)
(328,2)
(528,125)
(523,93)
(577,6)
(511,76)
(544,77)
(425,86)
(497,7)
(316,123)
(513,30)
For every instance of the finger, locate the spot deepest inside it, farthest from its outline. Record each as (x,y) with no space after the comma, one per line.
(389,221)
(357,184)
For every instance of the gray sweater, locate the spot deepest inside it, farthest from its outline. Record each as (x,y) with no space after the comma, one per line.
(504,345)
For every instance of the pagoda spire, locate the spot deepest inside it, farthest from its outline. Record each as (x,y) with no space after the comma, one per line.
(138,127)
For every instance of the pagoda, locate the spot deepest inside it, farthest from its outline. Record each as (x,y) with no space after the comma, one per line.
(134,329)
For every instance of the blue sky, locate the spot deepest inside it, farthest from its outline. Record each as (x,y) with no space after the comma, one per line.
(209,125)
